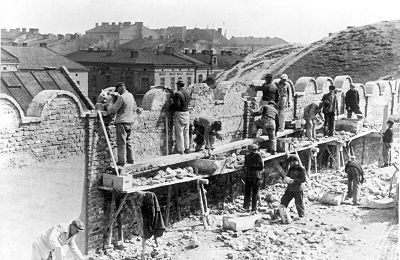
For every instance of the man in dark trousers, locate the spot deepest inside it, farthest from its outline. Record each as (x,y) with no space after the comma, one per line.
(283,102)
(267,123)
(269,90)
(123,108)
(206,129)
(295,178)
(355,176)
(387,139)
(253,165)
(330,109)
(352,101)
(180,106)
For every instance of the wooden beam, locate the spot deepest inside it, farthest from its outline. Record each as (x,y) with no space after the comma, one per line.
(168,205)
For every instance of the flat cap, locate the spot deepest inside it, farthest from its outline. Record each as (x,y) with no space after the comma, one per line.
(252,147)
(78,224)
(284,76)
(390,122)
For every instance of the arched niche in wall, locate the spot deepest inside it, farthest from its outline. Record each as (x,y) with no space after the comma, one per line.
(11,113)
(306,85)
(157,99)
(372,88)
(323,84)
(342,83)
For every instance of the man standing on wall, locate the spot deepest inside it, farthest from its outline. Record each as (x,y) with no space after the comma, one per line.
(283,102)
(330,109)
(352,101)
(311,113)
(123,108)
(253,165)
(180,106)
(269,90)
(51,242)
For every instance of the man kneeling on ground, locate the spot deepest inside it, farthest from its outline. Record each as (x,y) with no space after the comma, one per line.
(206,129)
(295,178)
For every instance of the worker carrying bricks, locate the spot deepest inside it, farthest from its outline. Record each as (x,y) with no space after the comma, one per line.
(268,115)
(269,90)
(180,106)
(330,109)
(295,178)
(352,102)
(387,140)
(253,166)
(49,245)
(283,102)
(312,115)
(206,130)
(123,108)
(355,176)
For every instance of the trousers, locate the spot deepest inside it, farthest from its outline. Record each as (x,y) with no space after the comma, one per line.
(124,143)
(298,200)
(386,152)
(353,183)
(329,123)
(251,190)
(268,128)
(181,124)
(310,128)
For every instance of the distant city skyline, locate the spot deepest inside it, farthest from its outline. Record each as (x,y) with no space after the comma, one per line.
(301,21)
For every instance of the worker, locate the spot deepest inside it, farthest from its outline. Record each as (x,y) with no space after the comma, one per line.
(253,166)
(180,106)
(123,108)
(283,102)
(312,115)
(49,245)
(268,115)
(352,101)
(269,90)
(295,178)
(355,176)
(330,109)
(206,130)
(387,140)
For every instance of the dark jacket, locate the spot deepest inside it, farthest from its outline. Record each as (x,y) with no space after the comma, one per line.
(266,111)
(181,100)
(153,223)
(330,103)
(388,136)
(298,174)
(352,99)
(254,164)
(353,167)
(270,92)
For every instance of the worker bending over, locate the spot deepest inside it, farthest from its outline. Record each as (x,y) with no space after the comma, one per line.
(206,130)
(268,115)
(312,115)
(49,245)
(355,176)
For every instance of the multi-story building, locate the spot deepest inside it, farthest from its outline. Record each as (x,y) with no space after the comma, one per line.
(38,58)
(110,36)
(139,70)
(8,62)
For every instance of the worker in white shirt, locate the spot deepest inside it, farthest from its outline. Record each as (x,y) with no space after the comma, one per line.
(50,243)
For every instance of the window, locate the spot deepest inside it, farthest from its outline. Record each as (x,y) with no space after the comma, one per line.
(162,81)
(200,78)
(180,78)
(172,85)
(189,80)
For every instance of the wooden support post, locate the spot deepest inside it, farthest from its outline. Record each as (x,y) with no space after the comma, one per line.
(114,217)
(120,226)
(362,152)
(168,205)
(178,207)
(309,163)
(203,215)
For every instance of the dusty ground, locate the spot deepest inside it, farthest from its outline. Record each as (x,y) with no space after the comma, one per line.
(329,232)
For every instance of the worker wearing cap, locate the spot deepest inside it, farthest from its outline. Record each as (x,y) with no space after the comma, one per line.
(355,176)
(312,115)
(51,242)
(269,90)
(352,102)
(283,101)
(206,130)
(180,106)
(123,109)
(330,109)
(387,139)
(267,123)
(295,178)
(253,165)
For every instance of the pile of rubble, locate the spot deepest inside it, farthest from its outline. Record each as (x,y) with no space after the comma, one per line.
(169,175)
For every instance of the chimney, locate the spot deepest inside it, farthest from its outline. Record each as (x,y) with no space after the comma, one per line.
(193,51)
(113,23)
(14,44)
(18,29)
(222,52)
(90,49)
(168,50)
(220,30)
(43,44)
(24,44)
(24,30)
(140,29)
(127,23)
(60,36)
(229,53)
(204,52)
(186,51)
(134,53)
(96,25)
(211,52)
(34,30)
(104,23)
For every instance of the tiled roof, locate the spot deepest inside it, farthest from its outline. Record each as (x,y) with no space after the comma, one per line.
(124,57)
(23,86)
(224,61)
(8,58)
(32,58)
(108,28)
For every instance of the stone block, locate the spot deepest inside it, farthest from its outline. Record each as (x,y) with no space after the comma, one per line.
(240,222)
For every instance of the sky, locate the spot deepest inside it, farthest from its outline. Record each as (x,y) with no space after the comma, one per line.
(297,21)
